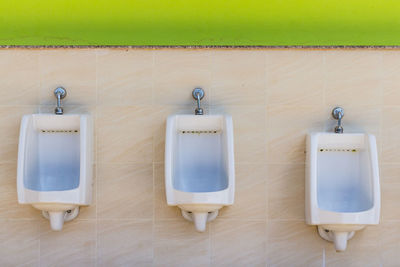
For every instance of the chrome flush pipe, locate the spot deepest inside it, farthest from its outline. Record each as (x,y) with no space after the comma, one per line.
(338,113)
(198,95)
(60,93)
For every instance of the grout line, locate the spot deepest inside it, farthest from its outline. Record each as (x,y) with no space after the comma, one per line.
(211,80)
(154,214)
(324,73)
(40,246)
(126,163)
(381,109)
(96,176)
(266,79)
(40,70)
(389,164)
(266,135)
(210,251)
(97,78)
(267,197)
(153,75)
(96,210)
(187,107)
(135,220)
(96,249)
(391,106)
(291,220)
(21,219)
(280,163)
(21,106)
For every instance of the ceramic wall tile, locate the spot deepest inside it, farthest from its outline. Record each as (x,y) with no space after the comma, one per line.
(389,246)
(10,119)
(125,77)
(390,133)
(124,243)
(250,193)
(238,78)
(391,78)
(295,77)
(249,135)
(125,191)
(19,76)
(293,243)
(237,243)
(353,79)
(287,128)
(10,208)
(275,97)
(75,245)
(125,134)
(19,242)
(285,191)
(177,73)
(75,70)
(176,243)
(161,209)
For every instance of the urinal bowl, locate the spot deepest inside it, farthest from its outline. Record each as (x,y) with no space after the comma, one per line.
(342,185)
(55,165)
(199,166)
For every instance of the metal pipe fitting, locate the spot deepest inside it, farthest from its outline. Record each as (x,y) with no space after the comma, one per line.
(198,95)
(338,113)
(60,93)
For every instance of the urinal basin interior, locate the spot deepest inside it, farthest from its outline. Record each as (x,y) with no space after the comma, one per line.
(52,156)
(200,154)
(344,174)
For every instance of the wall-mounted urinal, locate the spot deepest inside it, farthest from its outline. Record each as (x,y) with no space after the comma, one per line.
(199,164)
(55,163)
(342,183)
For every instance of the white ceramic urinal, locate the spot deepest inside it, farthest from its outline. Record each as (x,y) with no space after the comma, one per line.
(55,165)
(199,166)
(342,185)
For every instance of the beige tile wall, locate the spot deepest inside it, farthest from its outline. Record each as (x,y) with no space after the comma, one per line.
(275,98)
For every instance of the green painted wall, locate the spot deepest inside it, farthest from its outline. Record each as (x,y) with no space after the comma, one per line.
(200,22)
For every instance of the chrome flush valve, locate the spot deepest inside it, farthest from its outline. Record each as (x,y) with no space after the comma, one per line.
(60,93)
(338,113)
(198,95)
